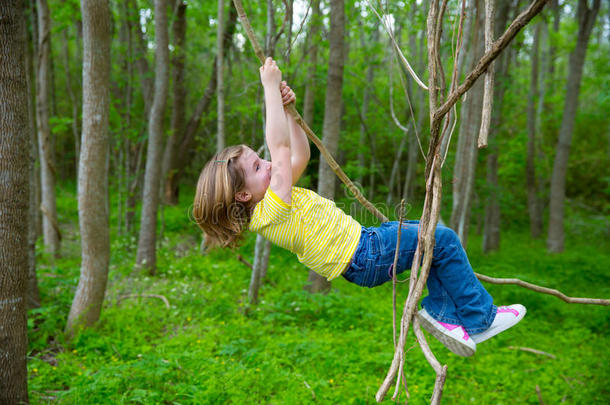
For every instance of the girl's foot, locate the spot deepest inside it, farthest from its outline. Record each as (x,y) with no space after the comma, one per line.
(454,337)
(506,317)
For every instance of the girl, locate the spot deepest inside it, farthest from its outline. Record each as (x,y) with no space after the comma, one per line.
(238,190)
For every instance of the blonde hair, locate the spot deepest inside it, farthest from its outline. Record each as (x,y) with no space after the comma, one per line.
(221,218)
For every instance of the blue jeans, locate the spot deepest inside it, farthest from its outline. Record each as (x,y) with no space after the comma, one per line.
(455,294)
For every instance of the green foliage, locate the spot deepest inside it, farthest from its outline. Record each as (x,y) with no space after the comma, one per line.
(210,346)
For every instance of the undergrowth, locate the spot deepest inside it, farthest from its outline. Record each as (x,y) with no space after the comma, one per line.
(210,347)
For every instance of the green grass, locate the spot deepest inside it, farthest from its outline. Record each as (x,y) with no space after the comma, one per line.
(297,348)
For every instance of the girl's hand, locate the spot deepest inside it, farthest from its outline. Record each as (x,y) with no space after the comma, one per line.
(287,94)
(271,76)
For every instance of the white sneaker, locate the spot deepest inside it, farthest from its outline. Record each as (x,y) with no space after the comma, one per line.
(454,337)
(506,317)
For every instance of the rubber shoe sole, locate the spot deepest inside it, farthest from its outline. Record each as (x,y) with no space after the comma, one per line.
(452,341)
(502,321)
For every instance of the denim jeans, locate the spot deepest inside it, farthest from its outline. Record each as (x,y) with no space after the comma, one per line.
(455,294)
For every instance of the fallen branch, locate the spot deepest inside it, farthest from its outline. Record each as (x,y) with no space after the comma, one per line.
(539,393)
(530,350)
(543,290)
(161,297)
(244,261)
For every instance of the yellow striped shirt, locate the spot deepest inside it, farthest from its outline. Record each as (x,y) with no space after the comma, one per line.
(323,237)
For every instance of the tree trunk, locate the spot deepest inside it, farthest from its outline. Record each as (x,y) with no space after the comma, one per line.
(491,226)
(312,58)
(14,201)
(586,20)
(220,83)
(93,174)
(466,155)
(184,151)
(178,111)
(262,246)
(72,96)
(332,116)
(395,169)
(370,75)
(147,255)
(33,293)
(50,226)
(533,200)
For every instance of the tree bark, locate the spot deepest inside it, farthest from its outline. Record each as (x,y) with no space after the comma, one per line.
(93,175)
(370,75)
(332,116)
(220,82)
(33,293)
(14,201)
(262,247)
(491,226)
(147,250)
(312,52)
(184,151)
(72,96)
(466,155)
(533,199)
(50,226)
(586,20)
(178,111)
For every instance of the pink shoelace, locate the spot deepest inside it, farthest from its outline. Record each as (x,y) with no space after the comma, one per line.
(507,309)
(452,327)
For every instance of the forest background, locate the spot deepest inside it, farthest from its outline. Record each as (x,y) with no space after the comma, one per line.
(176,324)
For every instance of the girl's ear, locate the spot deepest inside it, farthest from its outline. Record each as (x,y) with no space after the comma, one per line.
(243,196)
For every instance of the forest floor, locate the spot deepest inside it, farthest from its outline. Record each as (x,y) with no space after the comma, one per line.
(209,346)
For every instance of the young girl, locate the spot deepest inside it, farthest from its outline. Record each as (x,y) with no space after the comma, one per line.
(238,190)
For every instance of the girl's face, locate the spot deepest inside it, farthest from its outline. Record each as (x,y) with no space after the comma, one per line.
(258,176)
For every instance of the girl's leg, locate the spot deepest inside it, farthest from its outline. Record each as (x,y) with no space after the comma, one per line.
(456,295)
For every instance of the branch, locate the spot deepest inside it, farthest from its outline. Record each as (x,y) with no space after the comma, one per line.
(399,53)
(441,371)
(290,108)
(530,350)
(488,57)
(543,290)
(488,97)
(161,297)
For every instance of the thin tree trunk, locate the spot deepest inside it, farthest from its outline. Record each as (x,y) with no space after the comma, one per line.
(147,249)
(413,151)
(395,169)
(370,75)
(184,148)
(33,293)
(533,201)
(332,115)
(263,246)
(47,166)
(14,201)
(93,175)
(491,227)
(178,111)
(311,47)
(220,83)
(466,155)
(72,96)
(586,20)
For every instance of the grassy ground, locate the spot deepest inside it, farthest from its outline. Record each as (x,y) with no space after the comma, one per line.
(295,347)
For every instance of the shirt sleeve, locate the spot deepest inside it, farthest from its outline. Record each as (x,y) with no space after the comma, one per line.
(270,210)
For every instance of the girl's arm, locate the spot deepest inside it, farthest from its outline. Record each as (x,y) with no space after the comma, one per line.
(277,132)
(299,144)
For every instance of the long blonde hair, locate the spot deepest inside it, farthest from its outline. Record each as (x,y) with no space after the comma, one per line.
(218,214)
